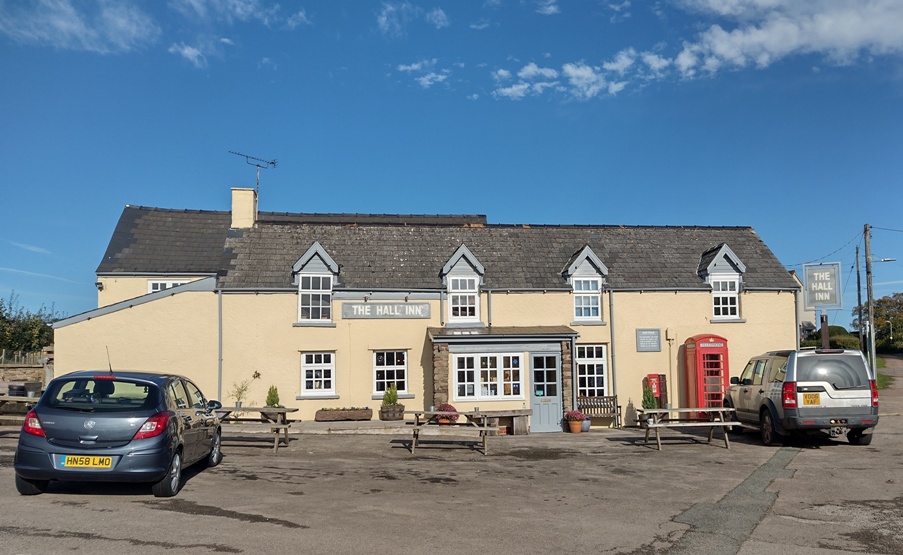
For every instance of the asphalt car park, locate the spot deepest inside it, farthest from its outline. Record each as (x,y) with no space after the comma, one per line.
(602,491)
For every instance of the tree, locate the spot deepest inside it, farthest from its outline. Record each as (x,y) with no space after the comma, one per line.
(23,330)
(888,319)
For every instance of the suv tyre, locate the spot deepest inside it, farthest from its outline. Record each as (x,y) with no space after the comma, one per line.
(768,433)
(857,437)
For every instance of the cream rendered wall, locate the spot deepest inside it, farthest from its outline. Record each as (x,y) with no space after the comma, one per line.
(769,325)
(174,334)
(116,289)
(258,334)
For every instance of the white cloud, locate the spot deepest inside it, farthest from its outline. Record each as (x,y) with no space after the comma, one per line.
(532,71)
(548,7)
(479,25)
(760,32)
(438,18)
(654,62)
(190,53)
(623,61)
(422,65)
(30,248)
(297,19)
(514,92)
(585,81)
(101,27)
(501,75)
(431,78)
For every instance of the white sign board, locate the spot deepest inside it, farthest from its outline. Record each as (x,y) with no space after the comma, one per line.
(823,286)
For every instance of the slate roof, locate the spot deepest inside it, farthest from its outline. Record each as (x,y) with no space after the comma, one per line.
(408,252)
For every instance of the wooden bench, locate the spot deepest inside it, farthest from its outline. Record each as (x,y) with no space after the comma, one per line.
(455,429)
(279,431)
(601,407)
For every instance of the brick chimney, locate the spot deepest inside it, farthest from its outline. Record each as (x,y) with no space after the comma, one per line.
(244,208)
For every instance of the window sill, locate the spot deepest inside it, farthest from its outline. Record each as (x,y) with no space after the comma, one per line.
(727,321)
(310,397)
(589,323)
(470,324)
(314,324)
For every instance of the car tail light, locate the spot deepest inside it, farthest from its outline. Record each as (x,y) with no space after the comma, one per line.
(32,425)
(153,426)
(873,385)
(788,395)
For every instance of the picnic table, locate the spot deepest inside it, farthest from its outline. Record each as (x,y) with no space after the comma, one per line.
(274,419)
(428,421)
(706,417)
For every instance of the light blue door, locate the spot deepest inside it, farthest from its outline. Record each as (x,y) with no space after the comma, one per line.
(545,393)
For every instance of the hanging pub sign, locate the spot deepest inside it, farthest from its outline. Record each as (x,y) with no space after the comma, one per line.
(385,310)
(823,286)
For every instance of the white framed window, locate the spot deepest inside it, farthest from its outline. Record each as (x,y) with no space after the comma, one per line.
(587,299)
(390,367)
(317,374)
(315,302)
(592,371)
(464,298)
(725,297)
(154,286)
(491,377)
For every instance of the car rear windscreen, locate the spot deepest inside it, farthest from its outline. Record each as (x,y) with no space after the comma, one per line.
(101,395)
(842,371)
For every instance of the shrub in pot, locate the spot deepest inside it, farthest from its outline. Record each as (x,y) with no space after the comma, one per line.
(391,409)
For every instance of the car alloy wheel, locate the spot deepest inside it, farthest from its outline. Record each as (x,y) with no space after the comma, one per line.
(169,485)
(216,453)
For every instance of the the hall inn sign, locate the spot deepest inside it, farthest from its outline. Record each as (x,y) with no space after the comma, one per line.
(385,310)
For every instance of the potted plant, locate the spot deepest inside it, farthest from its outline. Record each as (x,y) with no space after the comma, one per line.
(391,409)
(272,401)
(343,413)
(649,401)
(575,420)
(240,389)
(447,419)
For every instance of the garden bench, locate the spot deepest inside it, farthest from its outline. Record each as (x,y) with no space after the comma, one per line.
(279,431)
(601,407)
(454,429)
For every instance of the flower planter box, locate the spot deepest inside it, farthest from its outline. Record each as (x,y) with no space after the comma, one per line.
(339,415)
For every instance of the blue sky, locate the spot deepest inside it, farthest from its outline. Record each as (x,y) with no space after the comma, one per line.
(783,115)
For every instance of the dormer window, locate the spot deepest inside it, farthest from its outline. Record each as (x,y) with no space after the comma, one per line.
(463,298)
(315,274)
(722,269)
(586,273)
(587,298)
(725,296)
(316,298)
(463,276)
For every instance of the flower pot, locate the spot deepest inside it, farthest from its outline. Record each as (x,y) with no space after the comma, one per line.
(395,412)
(445,421)
(586,425)
(576,426)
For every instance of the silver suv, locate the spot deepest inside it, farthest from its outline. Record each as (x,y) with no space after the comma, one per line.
(807,392)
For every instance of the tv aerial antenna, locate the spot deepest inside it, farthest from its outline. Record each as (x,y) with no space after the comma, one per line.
(258,163)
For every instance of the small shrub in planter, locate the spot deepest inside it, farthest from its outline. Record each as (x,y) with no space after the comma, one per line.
(391,409)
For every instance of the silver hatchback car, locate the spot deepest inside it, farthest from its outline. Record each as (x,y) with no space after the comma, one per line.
(821,391)
(98,426)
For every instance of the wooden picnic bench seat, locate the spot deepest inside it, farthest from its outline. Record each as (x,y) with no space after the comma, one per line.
(279,431)
(710,424)
(455,429)
(601,407)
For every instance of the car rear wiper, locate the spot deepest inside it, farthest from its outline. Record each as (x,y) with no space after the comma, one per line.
(840,387)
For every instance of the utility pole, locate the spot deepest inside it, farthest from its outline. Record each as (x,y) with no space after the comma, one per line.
(871,303)
(859,299)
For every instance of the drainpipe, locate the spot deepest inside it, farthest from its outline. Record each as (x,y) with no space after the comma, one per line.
(489,307)
(574,373)
(219,369)
(611,316)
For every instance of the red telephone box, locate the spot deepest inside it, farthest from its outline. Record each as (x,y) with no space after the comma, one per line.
(708,375)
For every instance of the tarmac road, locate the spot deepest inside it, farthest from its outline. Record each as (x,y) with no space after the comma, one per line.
(597,492)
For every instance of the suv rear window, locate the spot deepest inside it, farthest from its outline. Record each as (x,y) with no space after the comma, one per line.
(842,371)
(101,395)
